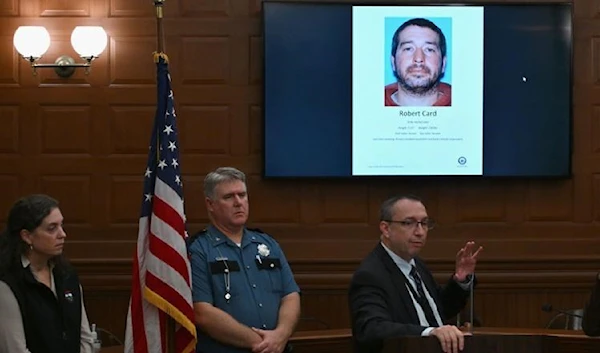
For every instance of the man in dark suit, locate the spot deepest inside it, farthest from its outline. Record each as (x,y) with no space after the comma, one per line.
(393,294)
(591,314)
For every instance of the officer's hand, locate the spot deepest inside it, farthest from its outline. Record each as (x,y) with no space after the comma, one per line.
(451,338)
(273,341)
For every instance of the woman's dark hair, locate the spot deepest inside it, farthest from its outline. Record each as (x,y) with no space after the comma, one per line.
(27,213)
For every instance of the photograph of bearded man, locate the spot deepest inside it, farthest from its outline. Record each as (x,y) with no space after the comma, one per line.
(418,61)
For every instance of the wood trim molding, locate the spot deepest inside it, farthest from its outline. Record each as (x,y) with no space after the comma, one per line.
(115,274)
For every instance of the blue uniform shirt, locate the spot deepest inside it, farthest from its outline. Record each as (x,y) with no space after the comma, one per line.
(258,280)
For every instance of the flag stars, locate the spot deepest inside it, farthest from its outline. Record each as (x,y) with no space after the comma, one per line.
(161,177)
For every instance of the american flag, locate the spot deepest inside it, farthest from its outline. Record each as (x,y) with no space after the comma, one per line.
(161,281)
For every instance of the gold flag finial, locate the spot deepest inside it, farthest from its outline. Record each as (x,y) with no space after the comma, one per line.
(158,55)
(158,4)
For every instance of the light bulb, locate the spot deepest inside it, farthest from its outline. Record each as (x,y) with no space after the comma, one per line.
(89,41)
(31,41)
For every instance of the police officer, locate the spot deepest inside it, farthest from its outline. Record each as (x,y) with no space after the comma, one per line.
(244,293)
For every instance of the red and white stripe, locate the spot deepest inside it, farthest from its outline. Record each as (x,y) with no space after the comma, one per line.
(161,286)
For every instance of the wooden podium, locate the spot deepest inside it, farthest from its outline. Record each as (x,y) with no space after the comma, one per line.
(487,340)
(483,340)
(473,344)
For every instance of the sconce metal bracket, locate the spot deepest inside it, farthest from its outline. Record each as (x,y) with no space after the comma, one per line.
(64,66)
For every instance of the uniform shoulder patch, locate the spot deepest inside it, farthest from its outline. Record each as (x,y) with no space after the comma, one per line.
(257,230)
(190,240)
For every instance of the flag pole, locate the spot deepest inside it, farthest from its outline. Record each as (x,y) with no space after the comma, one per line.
(158,5)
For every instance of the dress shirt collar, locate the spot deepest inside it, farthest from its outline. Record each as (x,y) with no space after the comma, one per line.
(402,264)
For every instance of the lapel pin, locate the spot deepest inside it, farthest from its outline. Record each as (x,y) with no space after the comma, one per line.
(69,296)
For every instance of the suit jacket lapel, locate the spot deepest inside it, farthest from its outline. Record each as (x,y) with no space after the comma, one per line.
(399,282)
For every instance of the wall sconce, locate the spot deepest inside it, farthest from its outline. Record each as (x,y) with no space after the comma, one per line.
(33,41)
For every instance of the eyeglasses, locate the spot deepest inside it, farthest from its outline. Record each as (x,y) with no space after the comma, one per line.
(427,224)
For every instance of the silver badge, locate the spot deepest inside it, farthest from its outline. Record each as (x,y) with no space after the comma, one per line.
(69,296)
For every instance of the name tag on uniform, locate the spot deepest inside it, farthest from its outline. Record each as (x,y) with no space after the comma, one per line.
(268,263)
(225,266)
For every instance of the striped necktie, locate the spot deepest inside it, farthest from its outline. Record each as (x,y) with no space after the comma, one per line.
(422,299)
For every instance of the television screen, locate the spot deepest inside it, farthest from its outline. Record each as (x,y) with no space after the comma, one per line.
(408,90)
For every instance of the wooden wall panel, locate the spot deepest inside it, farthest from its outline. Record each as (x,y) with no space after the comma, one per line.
(65,8)
(507,295)
(84,140)
(9,8)
(8,64)
(9,135)
(129,8)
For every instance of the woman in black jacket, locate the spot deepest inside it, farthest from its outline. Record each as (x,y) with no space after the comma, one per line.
(40,295)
